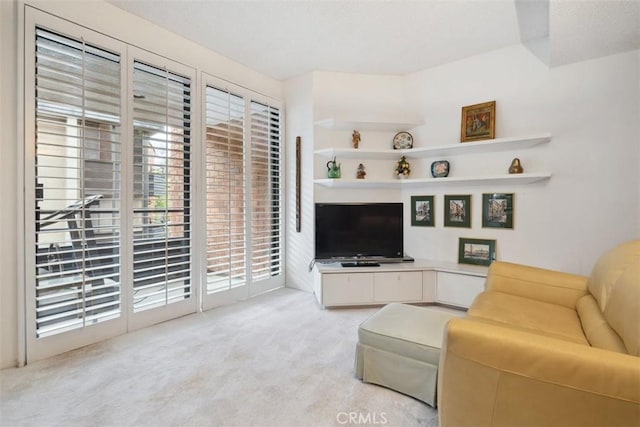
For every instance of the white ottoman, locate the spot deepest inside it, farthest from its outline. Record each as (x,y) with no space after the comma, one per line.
(399,348)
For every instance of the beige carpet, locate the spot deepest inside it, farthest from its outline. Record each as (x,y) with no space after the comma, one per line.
(274,360)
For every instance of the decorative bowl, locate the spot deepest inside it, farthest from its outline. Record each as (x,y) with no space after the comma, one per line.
(440,169)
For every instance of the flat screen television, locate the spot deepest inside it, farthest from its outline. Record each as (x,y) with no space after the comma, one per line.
(363,230)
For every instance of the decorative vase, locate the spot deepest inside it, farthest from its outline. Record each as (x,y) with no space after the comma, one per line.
(333,169)
(440,169)
(516,167)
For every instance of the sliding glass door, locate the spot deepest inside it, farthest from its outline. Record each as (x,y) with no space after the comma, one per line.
(108,217)
(74,167)
(161,186)
(125,202)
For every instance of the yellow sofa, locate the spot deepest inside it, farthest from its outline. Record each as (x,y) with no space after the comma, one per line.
(544,348)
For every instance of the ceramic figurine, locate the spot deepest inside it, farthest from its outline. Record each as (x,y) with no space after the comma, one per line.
(516,167)
(355,138)
(403,168)
(360,174)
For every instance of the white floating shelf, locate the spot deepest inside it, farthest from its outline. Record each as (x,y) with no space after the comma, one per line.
(360,153)
(523,178)
(489,146)
(390,126)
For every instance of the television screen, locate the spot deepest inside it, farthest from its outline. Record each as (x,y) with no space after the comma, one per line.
(358,230)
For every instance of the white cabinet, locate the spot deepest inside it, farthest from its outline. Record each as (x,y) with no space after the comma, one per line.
(397,286)
(457,289)
(429,286)
(348,288)
(421,281)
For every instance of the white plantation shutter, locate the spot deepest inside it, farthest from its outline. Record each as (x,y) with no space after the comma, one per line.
(244,240)
(266,192)
(161,187)
(225,190)
(77,173)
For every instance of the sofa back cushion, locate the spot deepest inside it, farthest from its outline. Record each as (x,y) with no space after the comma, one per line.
(623,309)
(615,284)
(595,326)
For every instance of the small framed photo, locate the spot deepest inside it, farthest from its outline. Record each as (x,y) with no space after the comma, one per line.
(422,211)
(497,210)
(457,211)
(478,122)
(476,251)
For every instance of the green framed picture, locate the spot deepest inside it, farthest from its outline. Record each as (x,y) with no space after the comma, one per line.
(476,251)
(457,211)
(422,211)
(497,210)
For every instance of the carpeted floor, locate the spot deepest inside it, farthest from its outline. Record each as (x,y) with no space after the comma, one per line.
(275,360)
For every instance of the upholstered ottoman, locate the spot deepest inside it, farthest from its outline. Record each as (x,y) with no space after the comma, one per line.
(399,348)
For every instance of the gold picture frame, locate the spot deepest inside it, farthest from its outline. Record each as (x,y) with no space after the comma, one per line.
(478,122)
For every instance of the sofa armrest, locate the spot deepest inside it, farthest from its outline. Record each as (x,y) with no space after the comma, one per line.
(536,283)
(492,375)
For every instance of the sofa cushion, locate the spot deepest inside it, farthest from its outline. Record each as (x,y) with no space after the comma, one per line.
(529,315)
(609,268)
(623,308)
(595,326)
(536,283)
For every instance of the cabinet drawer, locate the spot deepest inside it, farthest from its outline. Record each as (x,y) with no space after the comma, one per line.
(458,289)
(398,286)
(345,289)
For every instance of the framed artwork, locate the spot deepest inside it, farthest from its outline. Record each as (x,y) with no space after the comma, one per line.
(478,122)
(497,210)
(422,211)
(476,251)
(457,211)
(298,186)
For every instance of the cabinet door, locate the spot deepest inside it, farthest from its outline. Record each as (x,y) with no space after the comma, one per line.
(458,289)
(428,286)
(398,286)
(346,289)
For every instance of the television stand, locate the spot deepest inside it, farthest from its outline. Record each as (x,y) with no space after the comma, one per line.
(360,264)
(421,281)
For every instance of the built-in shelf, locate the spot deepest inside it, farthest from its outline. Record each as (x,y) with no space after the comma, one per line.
(378,126)
(489,146)
(523,178)
(365,153)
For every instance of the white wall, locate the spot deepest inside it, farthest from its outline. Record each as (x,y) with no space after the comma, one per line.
(108,19)
(590,108)
(298,93)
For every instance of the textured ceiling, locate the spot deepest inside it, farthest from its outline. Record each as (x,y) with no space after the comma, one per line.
(283,39)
